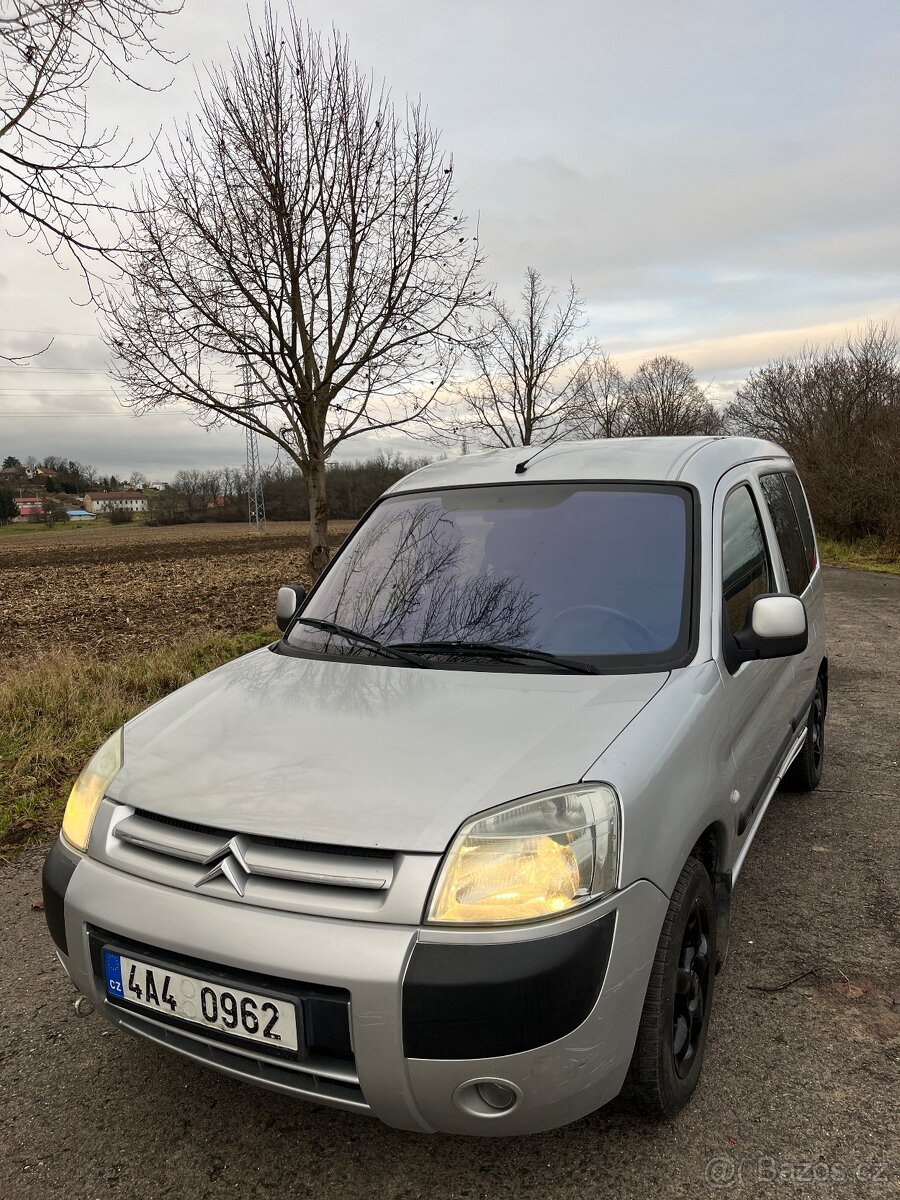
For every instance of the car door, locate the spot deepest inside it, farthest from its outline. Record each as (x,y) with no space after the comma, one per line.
(801,576)
(758,693)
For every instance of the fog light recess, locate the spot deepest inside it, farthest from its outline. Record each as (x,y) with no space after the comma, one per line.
(487,1097)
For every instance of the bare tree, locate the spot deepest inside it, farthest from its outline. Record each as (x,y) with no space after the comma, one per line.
(600,406)
(528,368)
(198,489)
(305,228)
(53,167)
(836,409)
(664,399)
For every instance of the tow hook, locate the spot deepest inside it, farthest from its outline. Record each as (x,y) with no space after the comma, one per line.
(83,1007)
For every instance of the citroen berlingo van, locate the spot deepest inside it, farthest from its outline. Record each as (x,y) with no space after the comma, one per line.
(458,850)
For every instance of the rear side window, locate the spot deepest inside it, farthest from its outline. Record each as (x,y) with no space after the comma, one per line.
(802,510)
(745,560)
(787,530)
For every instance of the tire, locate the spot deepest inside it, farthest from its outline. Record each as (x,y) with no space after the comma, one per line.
(805,772)
(671,1040)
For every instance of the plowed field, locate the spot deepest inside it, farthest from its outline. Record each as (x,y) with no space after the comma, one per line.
(109,591)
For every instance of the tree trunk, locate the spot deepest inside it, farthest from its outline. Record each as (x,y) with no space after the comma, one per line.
(318,517)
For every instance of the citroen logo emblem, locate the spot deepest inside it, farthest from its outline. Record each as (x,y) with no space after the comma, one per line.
(229,861)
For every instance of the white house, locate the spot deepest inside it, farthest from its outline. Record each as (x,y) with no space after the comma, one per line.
(103,502)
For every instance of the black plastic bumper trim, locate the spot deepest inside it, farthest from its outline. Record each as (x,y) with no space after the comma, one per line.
(485,1000)
(59,867)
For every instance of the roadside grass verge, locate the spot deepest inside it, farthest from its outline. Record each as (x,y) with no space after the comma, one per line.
(42,528)
(54,715)
(868,554)
(39,528)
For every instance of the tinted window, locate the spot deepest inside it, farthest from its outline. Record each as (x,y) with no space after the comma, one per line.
(802,511)
(781,509)
(578,570)
(745,562)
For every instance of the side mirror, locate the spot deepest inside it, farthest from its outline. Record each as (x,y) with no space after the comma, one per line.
(290,597)
(776,628)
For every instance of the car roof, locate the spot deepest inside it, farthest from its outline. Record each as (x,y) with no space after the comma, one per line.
(700,461)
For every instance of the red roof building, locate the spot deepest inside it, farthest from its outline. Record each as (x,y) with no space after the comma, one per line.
(29,506)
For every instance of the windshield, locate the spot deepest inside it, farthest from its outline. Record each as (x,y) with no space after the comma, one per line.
(594,571)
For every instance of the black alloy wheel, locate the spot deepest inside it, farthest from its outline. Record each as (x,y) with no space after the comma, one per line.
(691,999)
(805,772)
(671,1040)
(817,731)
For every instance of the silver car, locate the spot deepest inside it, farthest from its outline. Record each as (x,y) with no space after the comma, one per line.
(458,850)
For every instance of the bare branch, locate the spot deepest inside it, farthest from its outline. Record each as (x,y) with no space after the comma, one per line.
(53,168)
(600,406)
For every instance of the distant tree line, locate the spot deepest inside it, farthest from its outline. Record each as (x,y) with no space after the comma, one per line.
(836,409)
(222,495)
(70,477)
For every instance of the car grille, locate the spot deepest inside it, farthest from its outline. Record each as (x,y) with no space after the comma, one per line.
(268,872)
(273,858)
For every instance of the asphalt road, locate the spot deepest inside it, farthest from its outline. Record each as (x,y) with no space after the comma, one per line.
(801,1081)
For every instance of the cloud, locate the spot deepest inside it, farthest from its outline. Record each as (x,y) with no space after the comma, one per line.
(740,352)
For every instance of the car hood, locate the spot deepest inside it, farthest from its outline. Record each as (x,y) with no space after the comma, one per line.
(362,754)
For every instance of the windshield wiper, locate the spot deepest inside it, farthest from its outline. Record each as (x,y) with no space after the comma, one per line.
(497,652)
(363,639)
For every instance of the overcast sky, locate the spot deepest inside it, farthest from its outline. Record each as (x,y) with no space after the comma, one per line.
(720,179)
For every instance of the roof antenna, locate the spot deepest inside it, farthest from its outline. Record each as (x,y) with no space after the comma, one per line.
(522,467)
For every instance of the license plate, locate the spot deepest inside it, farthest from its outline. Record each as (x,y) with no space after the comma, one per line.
(249,1015)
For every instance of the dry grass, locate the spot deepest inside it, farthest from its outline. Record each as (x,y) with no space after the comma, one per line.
(58,712)
(99,623)
(869,554)
(41,531)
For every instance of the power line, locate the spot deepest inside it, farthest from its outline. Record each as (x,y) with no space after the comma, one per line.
(100,412)
(71,370)
(81,370)
(73,392)
(50,332)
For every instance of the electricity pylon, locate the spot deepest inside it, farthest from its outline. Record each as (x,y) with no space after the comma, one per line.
(255,499)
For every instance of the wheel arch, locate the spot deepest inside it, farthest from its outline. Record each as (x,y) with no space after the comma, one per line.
(709,848)
(823,675)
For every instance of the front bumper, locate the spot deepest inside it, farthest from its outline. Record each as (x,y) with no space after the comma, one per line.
(445,985)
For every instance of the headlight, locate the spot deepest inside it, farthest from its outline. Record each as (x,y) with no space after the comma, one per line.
(90,788)
(532,859)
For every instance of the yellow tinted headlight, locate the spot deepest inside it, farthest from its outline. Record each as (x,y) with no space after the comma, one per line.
(531,860)
(90,788)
